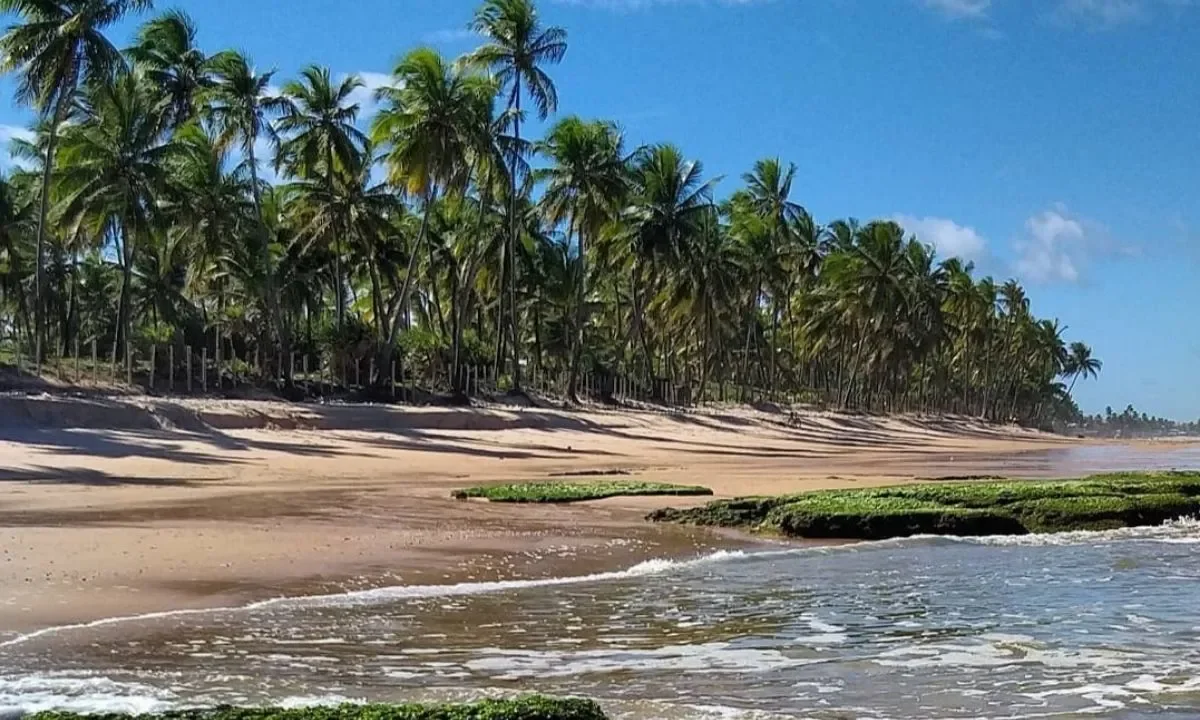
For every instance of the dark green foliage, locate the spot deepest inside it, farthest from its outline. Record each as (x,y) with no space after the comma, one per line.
(556,492)
(528,708)
(1003,508)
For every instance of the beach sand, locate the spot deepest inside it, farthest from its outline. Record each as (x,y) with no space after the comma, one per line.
(112,507)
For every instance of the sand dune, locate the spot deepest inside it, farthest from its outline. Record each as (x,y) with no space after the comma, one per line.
(124,505)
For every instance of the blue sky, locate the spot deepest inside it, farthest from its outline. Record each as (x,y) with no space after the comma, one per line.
(1051,140)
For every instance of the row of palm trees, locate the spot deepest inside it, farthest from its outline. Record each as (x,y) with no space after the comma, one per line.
(435,234)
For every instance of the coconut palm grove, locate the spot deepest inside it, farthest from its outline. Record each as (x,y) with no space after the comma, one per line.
(177,206)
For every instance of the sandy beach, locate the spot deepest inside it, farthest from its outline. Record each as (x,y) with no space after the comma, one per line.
(124,506)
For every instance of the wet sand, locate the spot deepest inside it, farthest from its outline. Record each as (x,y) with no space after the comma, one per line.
(120,507)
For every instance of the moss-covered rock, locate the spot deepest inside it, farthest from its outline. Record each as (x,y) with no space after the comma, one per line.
(985,508)
(565,492)
(529,708)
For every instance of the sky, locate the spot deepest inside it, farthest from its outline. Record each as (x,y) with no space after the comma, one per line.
(1054,141)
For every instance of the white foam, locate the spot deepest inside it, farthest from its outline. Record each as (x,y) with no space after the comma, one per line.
(715,657)
(404,592)
(36,693)
(1182,531)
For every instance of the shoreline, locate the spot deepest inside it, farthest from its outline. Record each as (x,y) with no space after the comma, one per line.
(122,506)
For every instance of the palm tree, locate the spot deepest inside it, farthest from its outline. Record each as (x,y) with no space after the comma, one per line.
(1080,363)
(670,202)
(323,142)
(166,47)
(585,187)
(517,49)
(58,44)
(115,171)
(240,106)
(427,125)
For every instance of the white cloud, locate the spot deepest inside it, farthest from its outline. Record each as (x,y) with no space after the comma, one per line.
(365,95)
(1058,245)
(449,36)
(959,9)
(948,237)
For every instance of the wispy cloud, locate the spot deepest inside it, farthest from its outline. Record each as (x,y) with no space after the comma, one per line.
(449,36)
(948,237)
(1093,14)
(631,5)
(1101,13)
(365,95)
(959,9)
(1058,245)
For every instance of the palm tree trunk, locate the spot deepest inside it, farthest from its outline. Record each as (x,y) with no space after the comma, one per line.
(337,246)
(401,309)
(274,317)
(512,243)
(62,104)
(580,316)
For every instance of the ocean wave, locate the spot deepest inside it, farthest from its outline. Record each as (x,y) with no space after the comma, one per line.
(1183,531)
(402,592)
(86,694)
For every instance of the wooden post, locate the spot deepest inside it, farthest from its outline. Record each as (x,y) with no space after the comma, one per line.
(20,358)
(153,365)
(76,359)
(112,365)
(95,364)
(204,369)
(128,363)
(371,371)
(305,363)
(171,368)
(393,379)
(292,366)
(58,366)
(187,349)
(357,371)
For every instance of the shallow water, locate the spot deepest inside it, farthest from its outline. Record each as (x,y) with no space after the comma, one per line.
(1095,624)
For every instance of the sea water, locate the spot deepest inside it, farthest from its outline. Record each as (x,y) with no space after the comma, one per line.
(1074,625)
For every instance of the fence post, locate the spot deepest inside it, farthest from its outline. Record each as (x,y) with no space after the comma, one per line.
(153,363)
(112,365)
(128,363)
(305,363)
(371,371)
(204,369)
(58,365)
(393,379)
(77,359)
(171,368)
(187,349)
(20,358)
(292,365)
(95,364)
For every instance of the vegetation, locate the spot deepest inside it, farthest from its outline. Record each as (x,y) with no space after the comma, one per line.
(986,508)
(1130,423)
(172,197)
(529,708)
(559,492)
